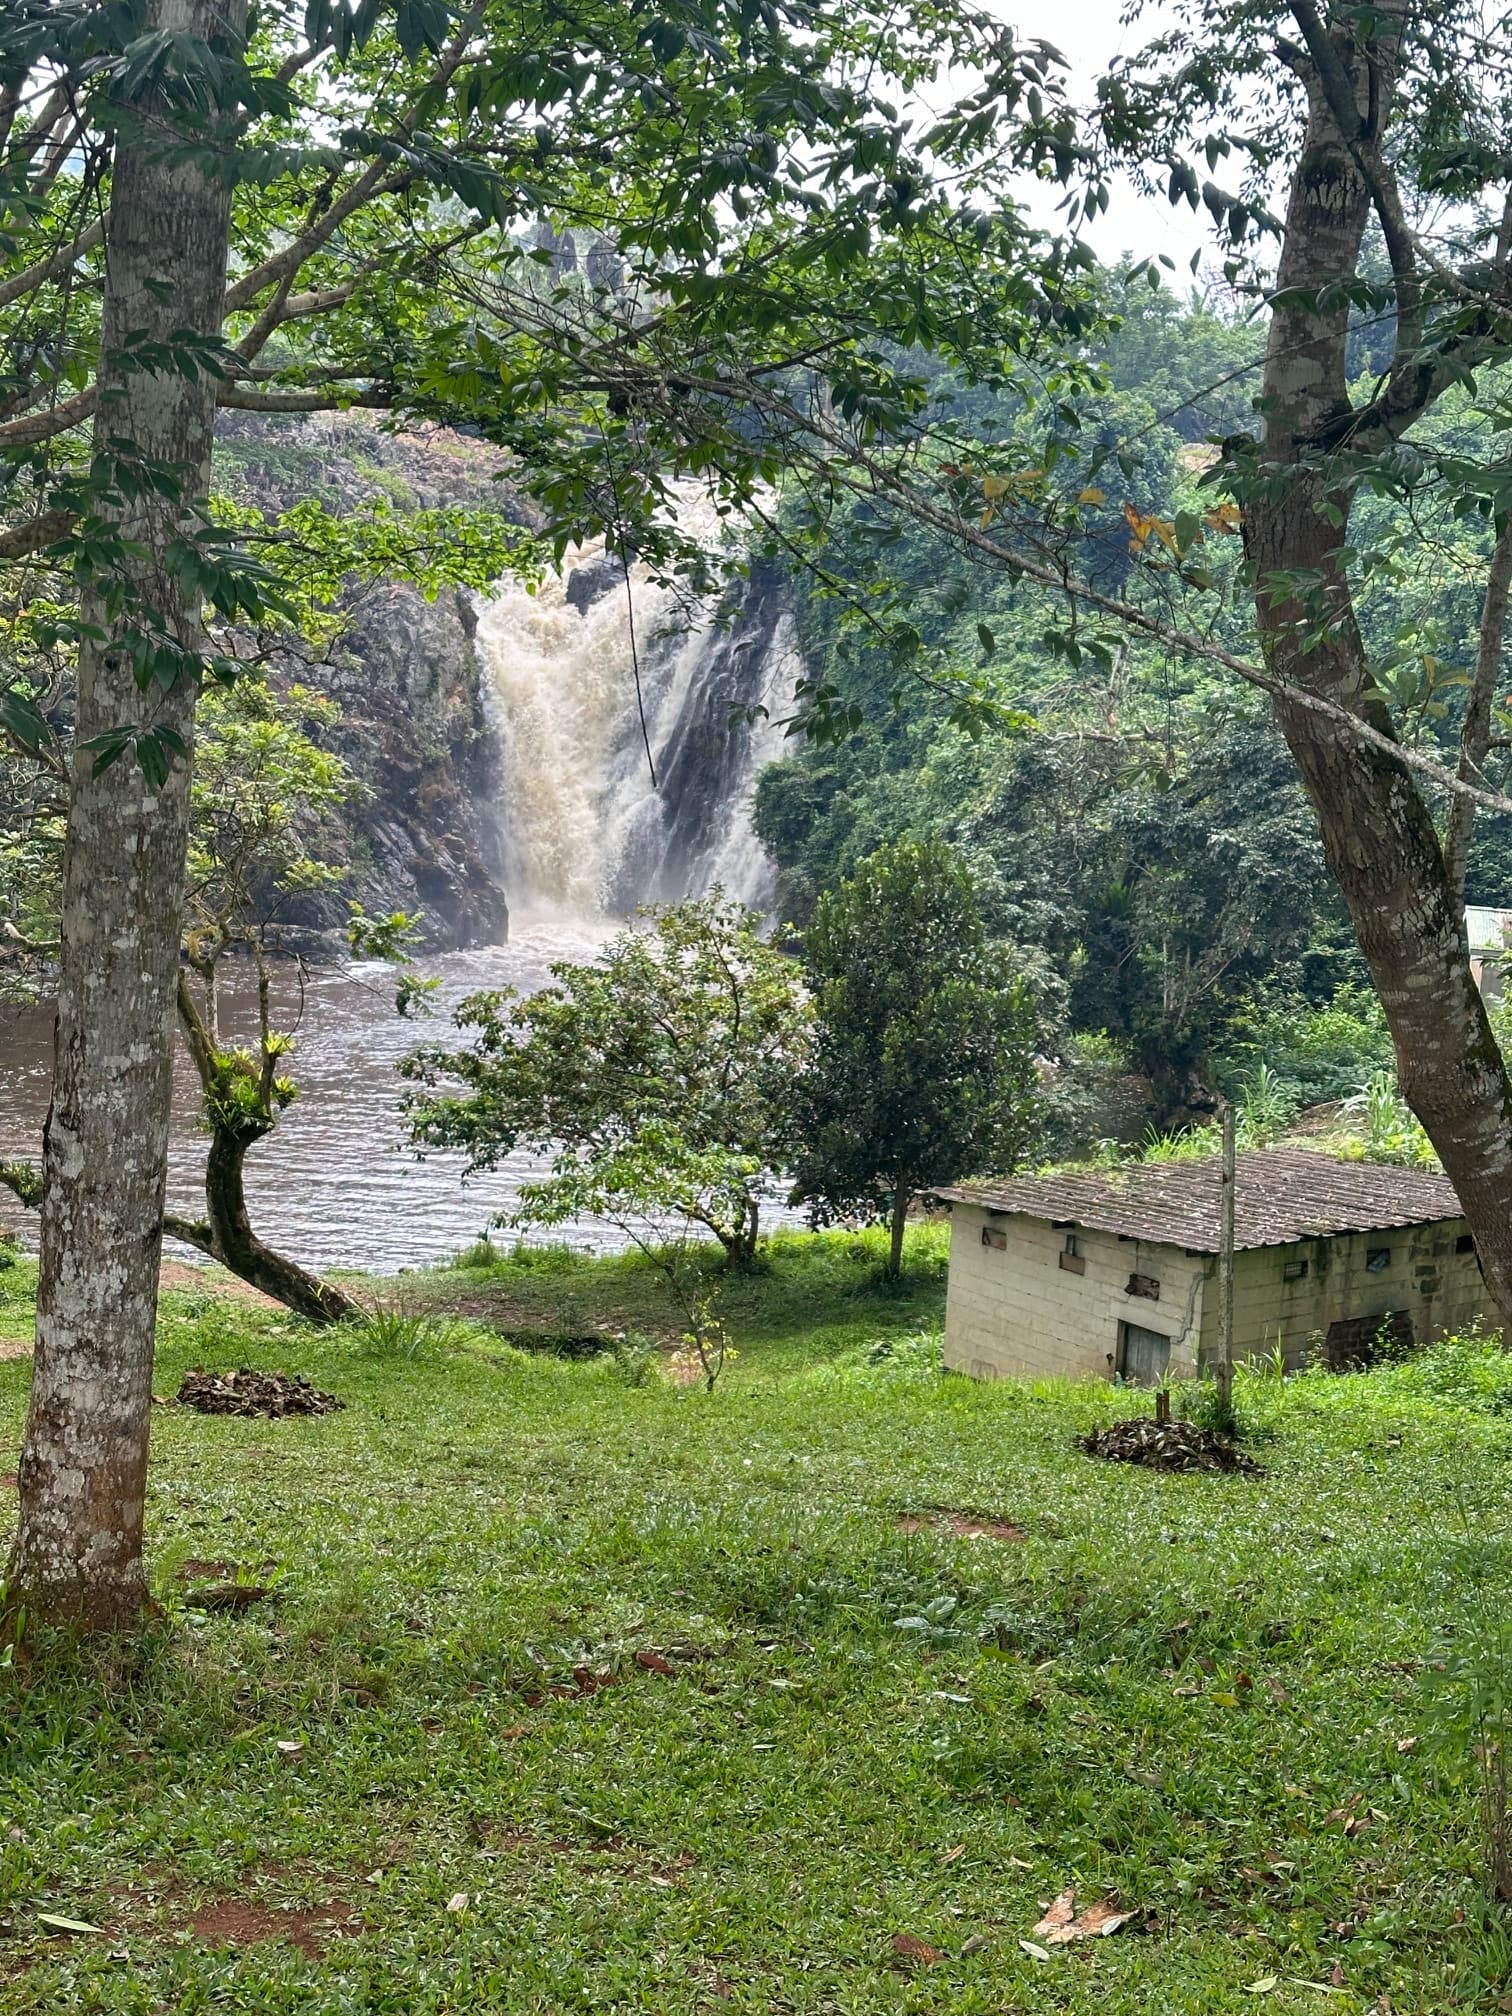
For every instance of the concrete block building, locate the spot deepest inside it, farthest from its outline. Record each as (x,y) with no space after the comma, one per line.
(1100,1274)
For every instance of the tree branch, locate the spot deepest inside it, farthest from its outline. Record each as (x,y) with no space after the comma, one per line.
(1338,88)
(1475,738)
(854,461)
(23,1181)
(31,428)
(56,262)
(246,399)
(371,184)
(33,534)
(193,1232)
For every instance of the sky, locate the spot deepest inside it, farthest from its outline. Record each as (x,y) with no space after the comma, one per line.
(1089,33)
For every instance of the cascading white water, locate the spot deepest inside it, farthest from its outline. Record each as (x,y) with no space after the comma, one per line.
(586,833)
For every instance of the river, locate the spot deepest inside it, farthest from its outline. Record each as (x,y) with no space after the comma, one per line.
(335,1185)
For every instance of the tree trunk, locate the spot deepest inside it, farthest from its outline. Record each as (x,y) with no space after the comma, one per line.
(77,1556)
(1377,830)
(227,1236)
(902,1197)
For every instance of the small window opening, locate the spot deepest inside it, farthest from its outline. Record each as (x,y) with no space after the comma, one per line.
(1377,1259)
(1071,1246)
(1465,1243)
(1294,1270)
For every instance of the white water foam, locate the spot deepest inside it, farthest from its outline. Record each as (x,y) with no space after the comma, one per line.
(586,832)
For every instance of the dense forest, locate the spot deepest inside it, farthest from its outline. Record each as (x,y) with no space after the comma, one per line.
(1134,815)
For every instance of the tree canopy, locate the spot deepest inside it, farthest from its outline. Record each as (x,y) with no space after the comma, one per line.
(923,1066)
(656,1077)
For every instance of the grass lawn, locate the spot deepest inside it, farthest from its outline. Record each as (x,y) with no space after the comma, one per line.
(576,1693)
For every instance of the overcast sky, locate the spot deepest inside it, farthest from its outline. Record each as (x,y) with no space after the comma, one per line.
(1089,34)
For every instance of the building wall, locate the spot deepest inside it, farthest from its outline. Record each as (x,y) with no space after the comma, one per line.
(1438,1288)
(1013,1312)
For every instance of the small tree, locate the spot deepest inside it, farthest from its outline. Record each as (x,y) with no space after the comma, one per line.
(923,1059)
(660,1194)
(262,791)
(687,1032)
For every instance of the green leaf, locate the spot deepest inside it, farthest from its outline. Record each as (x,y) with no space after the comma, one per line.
(23,720)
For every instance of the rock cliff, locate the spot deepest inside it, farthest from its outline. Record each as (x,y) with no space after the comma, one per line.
(421,831)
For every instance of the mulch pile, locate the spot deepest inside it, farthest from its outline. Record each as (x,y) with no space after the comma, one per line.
(270,1395)
(1168,1445)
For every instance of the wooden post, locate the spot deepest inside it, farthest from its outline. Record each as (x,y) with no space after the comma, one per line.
(1226,1267)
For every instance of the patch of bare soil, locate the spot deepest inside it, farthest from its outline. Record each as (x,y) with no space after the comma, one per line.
(197,1280)
(967,1524)
(239,1921)
(981,1529)
(223,1585)
(266,1395)
(1179,1446)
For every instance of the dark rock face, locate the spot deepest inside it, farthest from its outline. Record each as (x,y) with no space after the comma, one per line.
(420,831)
(705,753)
(593,580)
(414,732)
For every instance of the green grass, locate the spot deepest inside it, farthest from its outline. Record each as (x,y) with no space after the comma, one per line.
(1213,1696)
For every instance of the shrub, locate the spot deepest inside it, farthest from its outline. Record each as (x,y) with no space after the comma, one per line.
(1318,1053)
(394,1331)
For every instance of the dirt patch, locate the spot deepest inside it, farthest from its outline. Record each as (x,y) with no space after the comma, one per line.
(267,1395)
(237,1921)
(15,1347)
(224,1585)
(981,1529)
(967,1524)
(192,1279)
(1168,1445)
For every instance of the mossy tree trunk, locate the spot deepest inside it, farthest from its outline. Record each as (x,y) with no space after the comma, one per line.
(77,1553)
(241,1106)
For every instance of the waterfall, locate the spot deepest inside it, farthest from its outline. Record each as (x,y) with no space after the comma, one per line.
(585,833)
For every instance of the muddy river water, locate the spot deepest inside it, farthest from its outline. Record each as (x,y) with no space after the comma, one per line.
(336,1185)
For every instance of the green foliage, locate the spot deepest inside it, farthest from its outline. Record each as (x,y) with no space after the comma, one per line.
(1264,1109)
(923,1065)
(319,554)
(407,179)
(1130,816)
(657,1075)
(263,798)
(1319,1052)
(393,1329)
(1387,1129)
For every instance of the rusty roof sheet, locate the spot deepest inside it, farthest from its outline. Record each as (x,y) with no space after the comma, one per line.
(1280,1195)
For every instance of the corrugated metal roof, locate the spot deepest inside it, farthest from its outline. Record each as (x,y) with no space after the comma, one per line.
(1280,1195)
